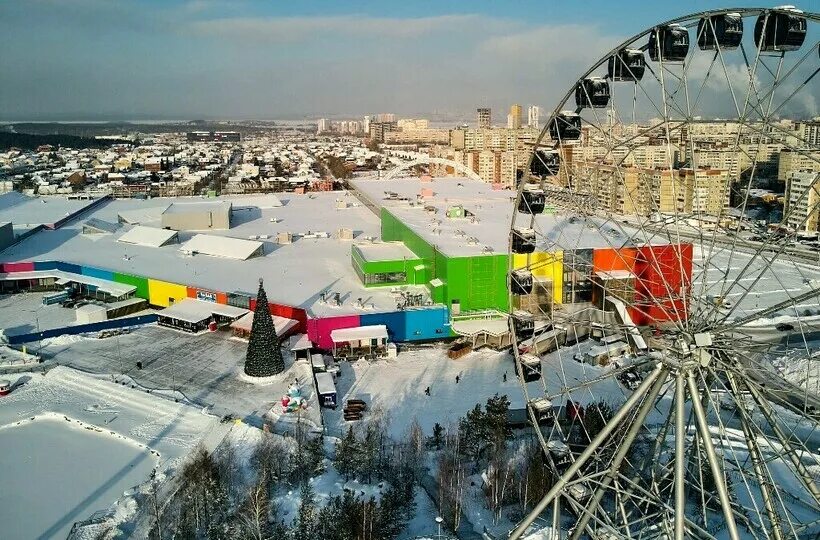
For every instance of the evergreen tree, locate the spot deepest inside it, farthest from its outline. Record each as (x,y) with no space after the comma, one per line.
(264,357)
(495,418)
(306,525)
(472,433)
(437,440)
(347,454)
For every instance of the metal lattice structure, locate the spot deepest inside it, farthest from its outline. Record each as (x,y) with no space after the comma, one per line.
(651,320)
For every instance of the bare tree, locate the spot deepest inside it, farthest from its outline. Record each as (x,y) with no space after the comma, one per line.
(452,477)
(253,515)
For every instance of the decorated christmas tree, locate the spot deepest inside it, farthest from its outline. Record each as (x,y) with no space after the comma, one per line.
(264,356)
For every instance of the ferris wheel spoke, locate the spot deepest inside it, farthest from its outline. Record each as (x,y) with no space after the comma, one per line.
(761,471)
(589,451)
(796,459)
(730,454)
(767,265)
(624,446)
(714,465)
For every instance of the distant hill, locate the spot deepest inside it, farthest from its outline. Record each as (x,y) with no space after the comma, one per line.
(28,141)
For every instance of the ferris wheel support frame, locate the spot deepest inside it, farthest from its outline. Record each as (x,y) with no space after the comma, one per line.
(755,102)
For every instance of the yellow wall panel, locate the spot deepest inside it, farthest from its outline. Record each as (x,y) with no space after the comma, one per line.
(160,293)
(545,265)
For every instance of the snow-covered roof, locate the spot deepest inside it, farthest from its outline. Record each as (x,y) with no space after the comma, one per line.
(385,251)
(615,274)
(64,278)
(487,233)
(196,207)
(101,226)
(23,210)
(281,324)
(143,214)
(148,236)
(300,343)
(376,331)
(193,311)
(301,270)
(222,246)
(325,384)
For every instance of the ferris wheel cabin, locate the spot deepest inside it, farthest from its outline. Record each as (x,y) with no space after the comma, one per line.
(592,92)
(720,32)
(532,201)
(628,65)
(530,367)
(523,323)
(523,241)
(520,282)
(669,43)
(566,126)
(783,30)
(545,163)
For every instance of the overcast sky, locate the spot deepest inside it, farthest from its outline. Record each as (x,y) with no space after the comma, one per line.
(124,59)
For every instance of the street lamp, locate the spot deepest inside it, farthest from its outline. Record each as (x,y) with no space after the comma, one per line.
(439,520)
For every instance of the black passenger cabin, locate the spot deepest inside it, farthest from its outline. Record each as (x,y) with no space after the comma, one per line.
(523,324)
(627,65)
(592,92)
(780,30)
(523,240)
(545,163)
(532,201)
(530,367)
(724,31)
(669,43)
(566,126)
(521,282)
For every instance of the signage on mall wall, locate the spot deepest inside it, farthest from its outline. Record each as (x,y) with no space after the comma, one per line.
(207,296)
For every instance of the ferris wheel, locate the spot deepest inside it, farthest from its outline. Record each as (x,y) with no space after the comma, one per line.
(665,310)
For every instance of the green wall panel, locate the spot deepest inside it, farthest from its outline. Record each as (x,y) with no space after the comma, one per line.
(140,283)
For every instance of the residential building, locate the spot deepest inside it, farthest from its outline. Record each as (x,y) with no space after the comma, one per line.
(484,118)
(802,202)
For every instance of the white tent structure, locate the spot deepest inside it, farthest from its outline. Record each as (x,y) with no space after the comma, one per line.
(222,246)
(148,236)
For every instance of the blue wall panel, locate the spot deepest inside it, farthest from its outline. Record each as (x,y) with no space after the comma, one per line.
(69,267)
(139,320)
(46,265)
(413,324)
(430,323)
(395,322)
(97,273)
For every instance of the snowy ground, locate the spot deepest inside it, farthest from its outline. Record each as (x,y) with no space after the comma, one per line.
(121,431)
(93,470)
(25,313)
(206,368)
(397,387)
(777,283)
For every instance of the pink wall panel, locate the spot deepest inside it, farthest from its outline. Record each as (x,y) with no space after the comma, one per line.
(18,267)
(319,329)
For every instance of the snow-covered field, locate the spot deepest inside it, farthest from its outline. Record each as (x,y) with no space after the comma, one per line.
(78,441)
(206,368)
(397,387)
(56,472)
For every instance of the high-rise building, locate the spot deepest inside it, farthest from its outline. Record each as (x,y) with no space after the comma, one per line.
(514,118)
(802,209)
(323,126)
(366,124)
(385,117)
(484,118)
(534,116)
(378,129)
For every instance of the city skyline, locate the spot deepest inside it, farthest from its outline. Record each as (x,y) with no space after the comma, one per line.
(91,60)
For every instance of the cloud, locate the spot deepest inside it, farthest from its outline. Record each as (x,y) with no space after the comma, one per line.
(289,29)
